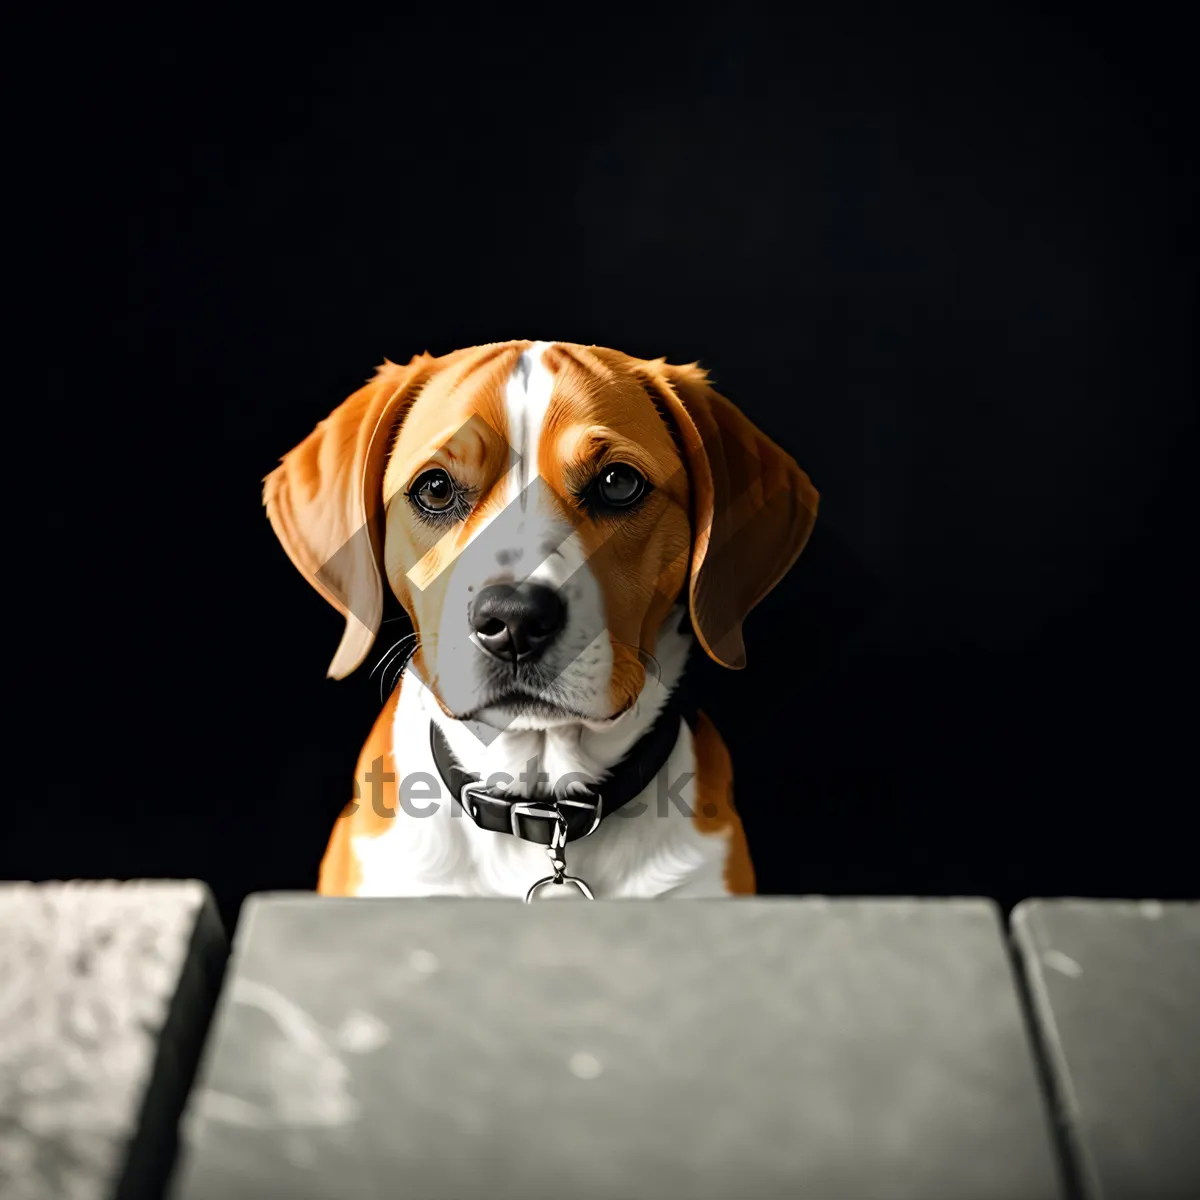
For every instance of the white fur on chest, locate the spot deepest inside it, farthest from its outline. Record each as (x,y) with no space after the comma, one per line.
(649,848)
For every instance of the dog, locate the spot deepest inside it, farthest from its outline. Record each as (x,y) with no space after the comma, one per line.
(561,524)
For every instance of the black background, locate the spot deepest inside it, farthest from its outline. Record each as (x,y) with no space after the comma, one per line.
(945,257)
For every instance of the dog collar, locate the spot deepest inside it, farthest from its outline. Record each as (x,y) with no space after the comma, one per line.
(582,811)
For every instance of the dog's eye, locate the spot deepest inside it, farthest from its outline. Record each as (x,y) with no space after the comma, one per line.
(619,486)
(434,492)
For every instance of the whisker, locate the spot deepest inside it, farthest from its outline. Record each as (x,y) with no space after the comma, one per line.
(391,651)
(400,669)
(396,653)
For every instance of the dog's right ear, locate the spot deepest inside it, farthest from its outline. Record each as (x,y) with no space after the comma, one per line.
(753,508)
(325,503)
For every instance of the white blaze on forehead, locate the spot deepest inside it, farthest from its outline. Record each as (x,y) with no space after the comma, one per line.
(526,402)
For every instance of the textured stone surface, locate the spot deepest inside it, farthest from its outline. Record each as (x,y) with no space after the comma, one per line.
(761,1048)
(1115,987)
(105,993)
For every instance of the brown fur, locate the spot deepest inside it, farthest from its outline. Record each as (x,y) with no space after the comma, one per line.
(715,813)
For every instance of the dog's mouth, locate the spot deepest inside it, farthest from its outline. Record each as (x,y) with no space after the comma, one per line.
(528,696)
(524,690)
(515,702)
(504,705)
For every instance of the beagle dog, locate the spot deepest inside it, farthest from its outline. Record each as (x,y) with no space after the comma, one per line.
(559,522)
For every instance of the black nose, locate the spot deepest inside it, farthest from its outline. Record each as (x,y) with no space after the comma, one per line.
(517,622)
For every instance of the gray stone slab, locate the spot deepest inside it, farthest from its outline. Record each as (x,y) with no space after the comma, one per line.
(105,994)
(1115,988)
(756,1048)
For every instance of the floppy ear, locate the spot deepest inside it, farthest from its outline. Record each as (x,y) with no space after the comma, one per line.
(325,501)
(752,509)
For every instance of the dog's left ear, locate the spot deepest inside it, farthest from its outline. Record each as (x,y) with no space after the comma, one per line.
(753,509)
(325,501)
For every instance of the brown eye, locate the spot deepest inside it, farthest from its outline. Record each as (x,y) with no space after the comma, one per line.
(434,492)
(619,486)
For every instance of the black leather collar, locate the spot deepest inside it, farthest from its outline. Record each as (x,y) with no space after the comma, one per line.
(584,809)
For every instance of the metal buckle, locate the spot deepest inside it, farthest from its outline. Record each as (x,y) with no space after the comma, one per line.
(597,808)
(468,802)
(529,808)
(532,808)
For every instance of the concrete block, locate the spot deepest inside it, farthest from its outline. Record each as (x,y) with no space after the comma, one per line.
(1115,988)
(105,994)
(755,1048)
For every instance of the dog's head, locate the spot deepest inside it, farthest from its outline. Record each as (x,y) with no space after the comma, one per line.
(539,509)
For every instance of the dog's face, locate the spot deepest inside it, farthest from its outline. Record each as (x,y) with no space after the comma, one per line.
(539,509)
(537,532)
